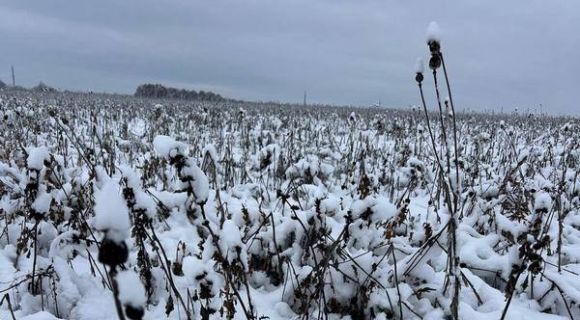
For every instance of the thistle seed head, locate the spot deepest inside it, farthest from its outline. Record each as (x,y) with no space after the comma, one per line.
(434,46)
(419,77)
(435,62)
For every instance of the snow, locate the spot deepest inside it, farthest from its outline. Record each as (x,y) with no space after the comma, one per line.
(543,201)
(211,151)
(36,157)
(200,181)
(419,66)
(131,290)
(231,235)
(433,32)
(383,209)
(111,212)
(166,146)
(42,202)
(142,199)
(330,206)
(42,315)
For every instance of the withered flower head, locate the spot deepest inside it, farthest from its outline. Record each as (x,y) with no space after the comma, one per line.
(435,62)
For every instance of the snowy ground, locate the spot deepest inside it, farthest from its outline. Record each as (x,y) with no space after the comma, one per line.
(193,210)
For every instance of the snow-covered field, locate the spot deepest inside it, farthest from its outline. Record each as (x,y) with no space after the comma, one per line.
(193,210)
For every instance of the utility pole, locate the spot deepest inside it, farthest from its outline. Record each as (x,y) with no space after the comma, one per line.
(304,98)
(13,77)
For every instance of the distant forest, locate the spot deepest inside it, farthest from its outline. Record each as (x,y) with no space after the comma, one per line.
(41,87)
(149,90)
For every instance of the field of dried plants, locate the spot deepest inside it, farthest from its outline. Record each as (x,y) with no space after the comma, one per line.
(112,205)
(119,207)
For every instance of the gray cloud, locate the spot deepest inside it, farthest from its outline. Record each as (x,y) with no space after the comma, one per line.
(519,53)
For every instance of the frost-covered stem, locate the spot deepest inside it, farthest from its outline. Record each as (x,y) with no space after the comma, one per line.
(397,280)
(77,144)
(560,232)
(575,178)
(563,298)
(166,269)
(54,295)
(220,205)
(454,268)
(5,229)
(307,234)
(452,205)
(416,258)
(321,269)
(505,309)
(214,238)
(454,123)
(247,313)
(7,298)
(433,144)
(511,289)
(466,280)
(275,242)
(443,129)
(112,273)
(35,254)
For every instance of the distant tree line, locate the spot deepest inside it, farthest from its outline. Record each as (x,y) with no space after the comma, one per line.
(41,87)
(149,90)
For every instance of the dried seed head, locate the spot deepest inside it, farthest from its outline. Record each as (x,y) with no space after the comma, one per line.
(419,77)
(435,62)
(134,313)
(113,253)
(434,47)
(419,68)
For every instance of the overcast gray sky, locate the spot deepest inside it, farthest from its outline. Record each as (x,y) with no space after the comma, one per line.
(517,53)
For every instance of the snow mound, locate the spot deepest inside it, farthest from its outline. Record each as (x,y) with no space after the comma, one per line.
(111,212)
(36,157)
(131,290)
(168,147)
